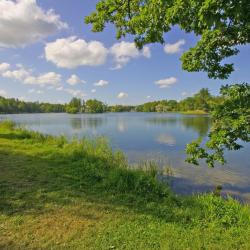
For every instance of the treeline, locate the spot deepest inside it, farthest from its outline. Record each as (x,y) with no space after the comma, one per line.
(12,105)
(94,106)
(202,101)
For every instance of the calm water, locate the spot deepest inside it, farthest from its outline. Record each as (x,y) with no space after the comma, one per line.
(160,137)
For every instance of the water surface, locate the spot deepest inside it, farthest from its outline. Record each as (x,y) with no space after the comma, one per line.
(153,136)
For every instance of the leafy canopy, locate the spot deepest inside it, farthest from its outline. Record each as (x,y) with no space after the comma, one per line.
(231,124)
(220,24)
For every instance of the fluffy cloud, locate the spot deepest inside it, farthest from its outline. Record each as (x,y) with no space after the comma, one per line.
(174,48)
(123,52)
(72,52)
(74,79)
(149,96)
(146,52)
(4,67)
(25,76)
(50,78)
(18,74)
(101,83)
(3,93)
(164,83)
(93,90)
(122,95)
(23,22)
(75,93)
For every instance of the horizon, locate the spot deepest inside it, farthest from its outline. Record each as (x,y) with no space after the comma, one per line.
(93,65)
(118,104)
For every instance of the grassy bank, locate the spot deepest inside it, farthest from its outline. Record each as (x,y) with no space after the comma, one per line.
(56,194)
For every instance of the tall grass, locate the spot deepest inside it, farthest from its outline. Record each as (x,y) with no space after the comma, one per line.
(52,188)
(110,167)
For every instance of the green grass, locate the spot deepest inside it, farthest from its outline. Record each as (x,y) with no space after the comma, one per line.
(56,194)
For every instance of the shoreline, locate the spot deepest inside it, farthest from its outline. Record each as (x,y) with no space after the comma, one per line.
(82,195)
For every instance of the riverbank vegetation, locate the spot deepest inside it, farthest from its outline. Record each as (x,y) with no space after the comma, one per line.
(200,103)
(14,106)
(57,194)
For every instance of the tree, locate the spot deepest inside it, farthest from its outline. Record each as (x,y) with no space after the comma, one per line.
(11,105)
(74,106)
(221,26)
(231,124)
(202,99)
(95,106)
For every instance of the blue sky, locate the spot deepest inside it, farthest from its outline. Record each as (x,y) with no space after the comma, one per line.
(52,56)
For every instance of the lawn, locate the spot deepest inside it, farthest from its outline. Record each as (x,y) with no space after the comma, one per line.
(56,194)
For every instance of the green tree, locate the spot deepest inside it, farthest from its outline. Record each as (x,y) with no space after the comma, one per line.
(74,106)
(231,124)
(202,99)
(221,26)
(95,106)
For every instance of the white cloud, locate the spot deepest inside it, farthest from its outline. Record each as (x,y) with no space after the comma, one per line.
(146,52)
(184,93)
(19,74)
(4,67)
(174,48)
(166,139)
(164,83)
(122,95)
(123,52)
(72,52)
(93,90)
(3,93)
(149,96)
(101,83)
(74,79)
(23,22)
(75,93)
(50,78)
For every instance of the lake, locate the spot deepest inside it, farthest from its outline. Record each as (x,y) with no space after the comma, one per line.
(153,136)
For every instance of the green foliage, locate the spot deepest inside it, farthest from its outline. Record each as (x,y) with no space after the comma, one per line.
(95,106)
(231,126)
(201,101)
(222,25)
(74,106)
(120,108)
(11,105)
(81,195)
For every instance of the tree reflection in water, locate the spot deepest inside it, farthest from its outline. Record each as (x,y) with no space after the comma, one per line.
(79,123)
(199,124)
